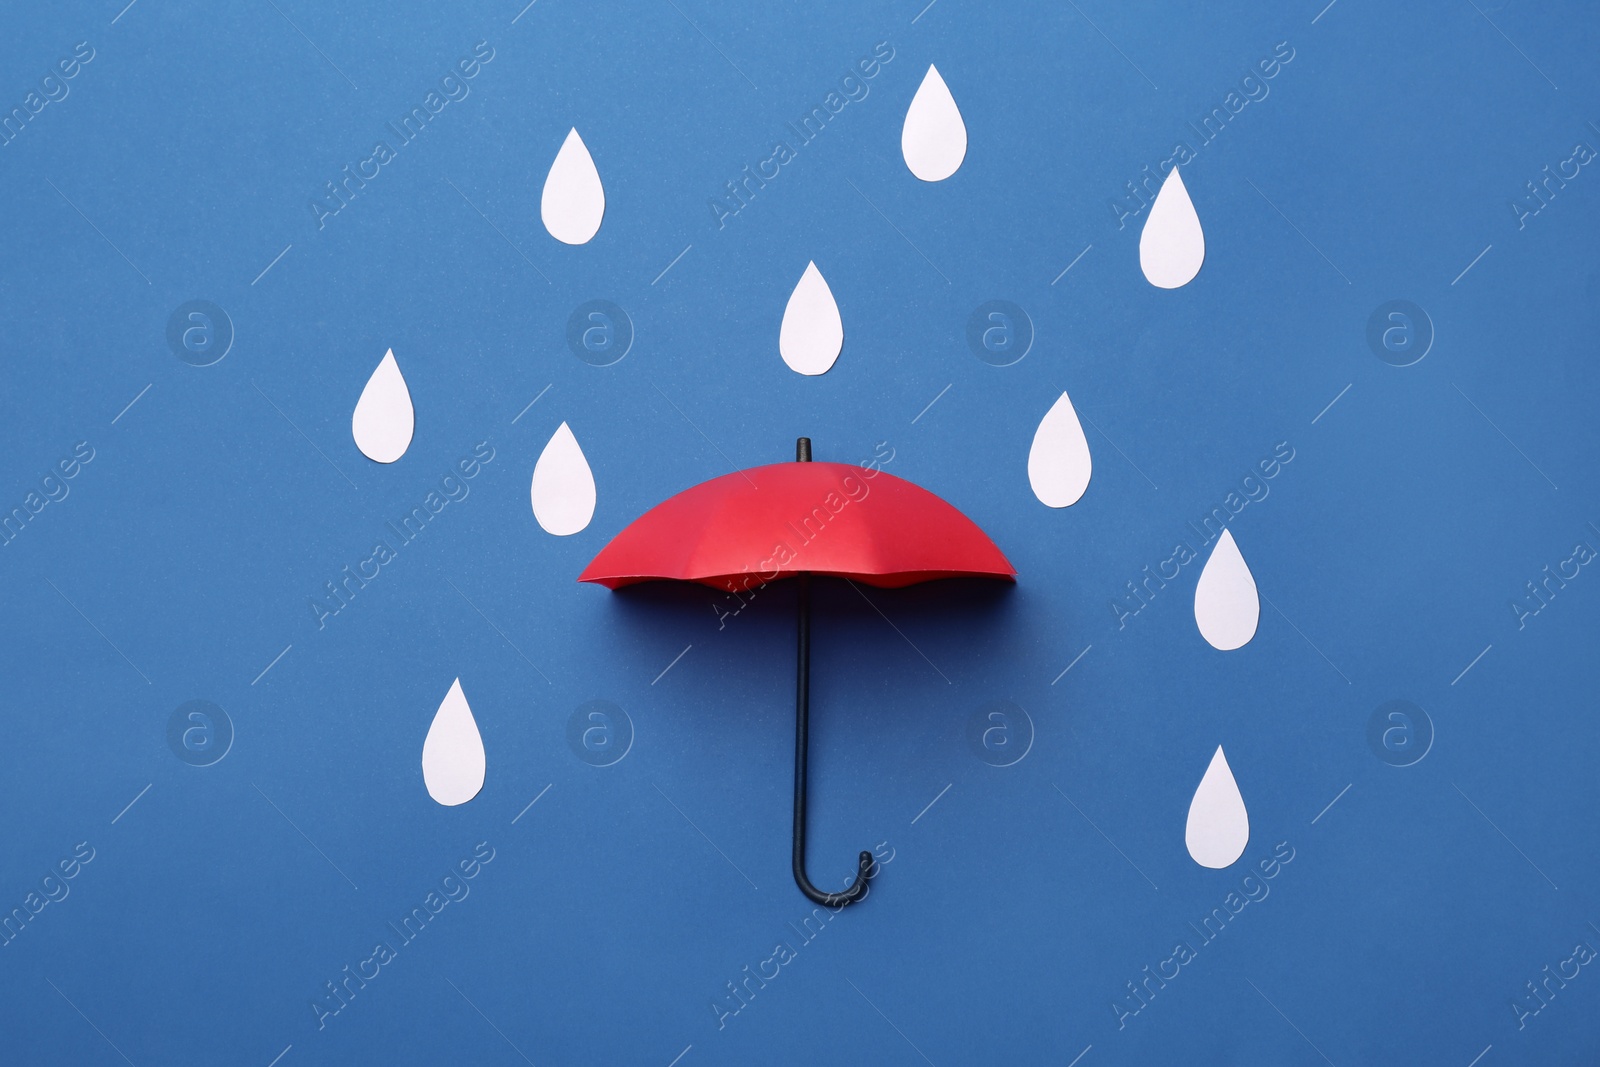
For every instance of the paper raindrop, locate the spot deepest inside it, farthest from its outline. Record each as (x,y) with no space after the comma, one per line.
(574,201)
(1218,826)
(384,418)
(452,756)
(1172,246)
(1059,463)
(1226,605)
(933,139)
(563,486)
(812,333)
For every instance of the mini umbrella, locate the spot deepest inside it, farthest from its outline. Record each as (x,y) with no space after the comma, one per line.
(794,520)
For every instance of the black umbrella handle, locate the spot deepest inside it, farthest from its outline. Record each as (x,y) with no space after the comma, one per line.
(802,714)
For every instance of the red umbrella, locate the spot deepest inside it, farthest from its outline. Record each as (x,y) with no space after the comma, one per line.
(793,520)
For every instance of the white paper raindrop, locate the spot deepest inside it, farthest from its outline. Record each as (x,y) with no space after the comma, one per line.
(453,762)
(933,139)
(563,486)
(384,418)
(1059,464)
(812,332)
(1226,605)
(574,200)
(1172,246)
(1218,826)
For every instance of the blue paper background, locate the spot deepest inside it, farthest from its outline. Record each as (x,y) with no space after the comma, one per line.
(1383,160)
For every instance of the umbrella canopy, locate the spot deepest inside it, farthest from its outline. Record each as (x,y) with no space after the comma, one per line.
(788,519)
(794,520)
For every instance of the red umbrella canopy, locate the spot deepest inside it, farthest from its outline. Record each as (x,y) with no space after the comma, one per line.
(786,519)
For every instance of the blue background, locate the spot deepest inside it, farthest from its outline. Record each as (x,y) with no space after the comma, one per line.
(616,909)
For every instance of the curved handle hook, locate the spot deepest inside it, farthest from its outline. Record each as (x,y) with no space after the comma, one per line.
(802,713)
